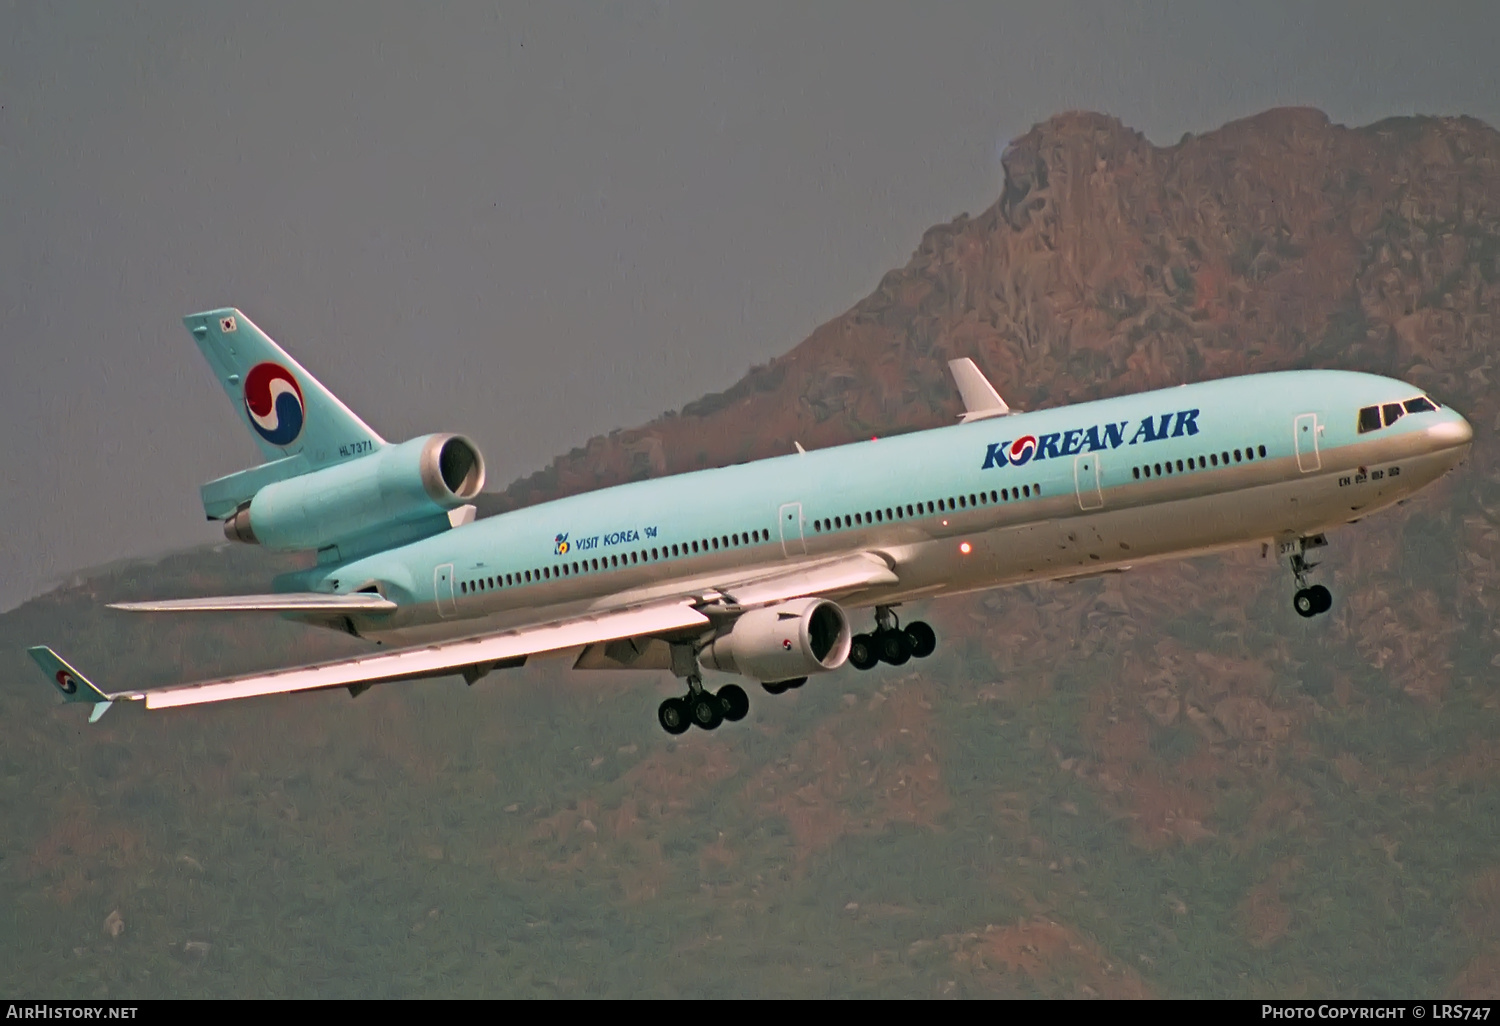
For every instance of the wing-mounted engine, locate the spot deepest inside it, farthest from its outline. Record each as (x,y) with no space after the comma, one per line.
(400,492)
(782,642)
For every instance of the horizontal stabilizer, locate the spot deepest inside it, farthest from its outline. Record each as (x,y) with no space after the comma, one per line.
(979,396)
(296,602)
(222,496)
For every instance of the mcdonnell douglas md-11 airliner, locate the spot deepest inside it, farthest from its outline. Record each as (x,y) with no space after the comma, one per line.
(756,569)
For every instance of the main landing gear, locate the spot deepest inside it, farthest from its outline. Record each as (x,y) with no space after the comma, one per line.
(699,707)
(890,643)
(1307,601)
(703,708)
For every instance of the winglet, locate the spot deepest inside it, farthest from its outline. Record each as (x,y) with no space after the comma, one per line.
(73,686)
(979,396)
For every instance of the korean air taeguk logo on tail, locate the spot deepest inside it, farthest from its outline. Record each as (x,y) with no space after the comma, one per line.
(274,401)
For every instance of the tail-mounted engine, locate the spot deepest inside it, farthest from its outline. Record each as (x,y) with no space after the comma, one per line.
(394,487)
(782,642)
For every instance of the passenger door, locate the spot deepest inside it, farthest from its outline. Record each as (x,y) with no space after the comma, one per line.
(1305,433)
(442,587)
(1086,481)
(792,542)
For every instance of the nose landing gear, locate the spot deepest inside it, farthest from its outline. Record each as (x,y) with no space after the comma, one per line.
(1308,601)
(890,643)
(1312,601)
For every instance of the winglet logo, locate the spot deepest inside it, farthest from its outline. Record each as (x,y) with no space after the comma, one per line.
(273,399)
(66,682)
(560,545)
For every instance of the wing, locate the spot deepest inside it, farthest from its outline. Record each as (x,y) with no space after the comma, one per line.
(828,578)
(628,617)
(437,660)
(305,601)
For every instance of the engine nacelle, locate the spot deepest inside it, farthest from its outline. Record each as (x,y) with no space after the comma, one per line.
(394,486)
(783,642)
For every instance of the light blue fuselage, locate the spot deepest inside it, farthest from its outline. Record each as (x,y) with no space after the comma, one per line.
(1108,484)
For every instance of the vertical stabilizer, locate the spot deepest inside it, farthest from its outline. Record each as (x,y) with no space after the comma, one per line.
(287,410)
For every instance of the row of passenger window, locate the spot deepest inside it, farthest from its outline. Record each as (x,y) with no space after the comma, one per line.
(919,509)
(1213,459)
(1370,417)
(612,561)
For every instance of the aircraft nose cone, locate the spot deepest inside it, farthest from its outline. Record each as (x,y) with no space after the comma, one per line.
(1451,431)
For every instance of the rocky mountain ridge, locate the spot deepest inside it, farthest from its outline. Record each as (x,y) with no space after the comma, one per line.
(1109,265)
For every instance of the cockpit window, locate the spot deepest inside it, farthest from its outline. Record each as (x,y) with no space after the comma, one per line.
(1370,417)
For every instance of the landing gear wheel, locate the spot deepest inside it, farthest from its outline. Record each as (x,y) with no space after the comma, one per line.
(735,702)
(1308,601)
(773,687)
(706,710)
(794,683)
(673,716)
(862,652)
(1305,603)
(894,647)
(923,640)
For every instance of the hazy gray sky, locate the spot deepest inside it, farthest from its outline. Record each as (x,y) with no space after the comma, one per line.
(538,223)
